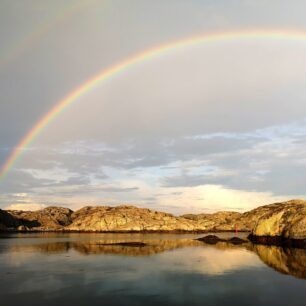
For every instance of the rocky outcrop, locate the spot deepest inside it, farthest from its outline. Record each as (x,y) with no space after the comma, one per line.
(7,220)
(230,221)
(250,218)
(223,220)
(50,218)
(283,221)
(129,218)
(247,221)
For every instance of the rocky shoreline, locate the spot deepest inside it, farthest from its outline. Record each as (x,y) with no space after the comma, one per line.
(281,223)
(278,241)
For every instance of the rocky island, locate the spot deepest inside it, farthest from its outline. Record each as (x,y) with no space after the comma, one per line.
(274,223)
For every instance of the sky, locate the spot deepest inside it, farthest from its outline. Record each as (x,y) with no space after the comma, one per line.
(208,127)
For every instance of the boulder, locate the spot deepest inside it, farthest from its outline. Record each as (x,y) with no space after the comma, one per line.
(22,228)
(212,239)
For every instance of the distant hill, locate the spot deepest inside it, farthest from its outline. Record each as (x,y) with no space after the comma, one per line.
(284,219)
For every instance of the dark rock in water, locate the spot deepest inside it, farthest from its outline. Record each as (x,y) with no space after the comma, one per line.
(278,241)
(127,244)
(211,239)
(266,240)
(236,240)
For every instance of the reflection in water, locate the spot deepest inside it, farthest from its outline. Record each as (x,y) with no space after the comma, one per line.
(108,247)
(217,258)
(285,260)
(164,270)
(291,261)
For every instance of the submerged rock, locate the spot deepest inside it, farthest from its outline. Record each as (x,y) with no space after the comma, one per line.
(236,240)
(213,239)
(210,239)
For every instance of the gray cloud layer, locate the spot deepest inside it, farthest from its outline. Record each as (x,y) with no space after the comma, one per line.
(226,114)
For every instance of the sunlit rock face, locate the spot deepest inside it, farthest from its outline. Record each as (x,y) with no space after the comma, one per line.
(223,220)
(286,220)
(229,221)
(249,219)
(129,218)
(46,219)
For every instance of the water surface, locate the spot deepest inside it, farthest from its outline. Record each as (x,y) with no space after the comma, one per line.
(89,269)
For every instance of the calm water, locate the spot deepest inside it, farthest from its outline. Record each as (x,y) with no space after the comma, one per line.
(84,269)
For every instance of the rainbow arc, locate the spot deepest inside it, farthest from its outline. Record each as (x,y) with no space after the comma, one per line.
(126,64)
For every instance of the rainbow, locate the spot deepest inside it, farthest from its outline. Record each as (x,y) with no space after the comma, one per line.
(120,67)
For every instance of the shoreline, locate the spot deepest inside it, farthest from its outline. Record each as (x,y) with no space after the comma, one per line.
(281,223)
(256,240)
(65,231)
(278,241)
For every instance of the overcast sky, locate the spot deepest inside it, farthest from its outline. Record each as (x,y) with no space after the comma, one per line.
(219,126)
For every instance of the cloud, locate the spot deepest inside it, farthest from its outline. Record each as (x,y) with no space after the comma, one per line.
(25,207)
(22,201)
(261,167)
(211,198)
(178,200)
(226,114)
